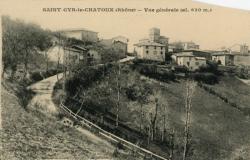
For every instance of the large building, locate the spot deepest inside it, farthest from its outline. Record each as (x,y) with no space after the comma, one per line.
(81,34)
(154,34)
(150,51)
(152,48)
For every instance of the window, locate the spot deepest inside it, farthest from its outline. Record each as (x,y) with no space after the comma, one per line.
(161,48)
(147,51)
(161,52)
(146,47)
(188,63)
(155,47)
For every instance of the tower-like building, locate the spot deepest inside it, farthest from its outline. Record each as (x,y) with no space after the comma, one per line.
(154,34)
(244,49)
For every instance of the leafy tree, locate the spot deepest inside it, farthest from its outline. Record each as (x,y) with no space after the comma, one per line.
(21,42)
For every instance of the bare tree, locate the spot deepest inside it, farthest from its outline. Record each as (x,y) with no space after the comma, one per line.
(190,89)
(118,93)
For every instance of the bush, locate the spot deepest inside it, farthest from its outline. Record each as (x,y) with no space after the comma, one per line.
(211,67)
(36,76)
(40,75)
(84,77)
(181,69)
(146,61)
(208,78)
(150,70)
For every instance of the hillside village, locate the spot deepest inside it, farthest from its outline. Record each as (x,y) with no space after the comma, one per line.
(154,58)
(155,48)
(72,94)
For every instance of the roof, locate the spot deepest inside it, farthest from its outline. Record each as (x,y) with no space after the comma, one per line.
(106,42)
(76,30)
(120,38)
(222,54)
(78,47)
(164,37)
(149,44)
(200,58)
(184,54)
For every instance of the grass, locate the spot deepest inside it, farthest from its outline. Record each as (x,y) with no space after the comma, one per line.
(30,135)
(234,89)
(218,130)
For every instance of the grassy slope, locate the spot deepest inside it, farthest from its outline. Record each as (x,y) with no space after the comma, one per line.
(28,135)
(235,90)
(218,130)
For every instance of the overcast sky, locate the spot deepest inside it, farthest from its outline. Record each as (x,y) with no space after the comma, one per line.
(221,27)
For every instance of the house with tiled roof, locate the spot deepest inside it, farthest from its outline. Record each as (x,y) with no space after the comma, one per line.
(118,43)
(224,58)
(150,50)
(189,60)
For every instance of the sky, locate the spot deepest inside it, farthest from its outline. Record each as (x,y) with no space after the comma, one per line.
(211,30)
(240,4)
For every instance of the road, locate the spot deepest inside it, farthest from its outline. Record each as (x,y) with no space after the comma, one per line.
(42,101)
(246,81)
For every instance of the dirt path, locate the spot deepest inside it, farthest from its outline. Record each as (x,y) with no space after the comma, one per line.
(43,98)
(246,81)
(42,101)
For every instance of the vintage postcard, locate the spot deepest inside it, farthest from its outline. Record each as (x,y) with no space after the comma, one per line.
(125,80)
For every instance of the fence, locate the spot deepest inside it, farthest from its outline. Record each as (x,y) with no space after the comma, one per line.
(141,151)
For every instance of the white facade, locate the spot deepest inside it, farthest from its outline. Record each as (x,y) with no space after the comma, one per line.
(190,45)
(240,59)
(223,59)
(151,51)
(190,61)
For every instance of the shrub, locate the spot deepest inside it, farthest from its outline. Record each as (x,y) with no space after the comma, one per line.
(85,77)
(36,76)
(181,69)
(208,78)
(211,67)
(151,71)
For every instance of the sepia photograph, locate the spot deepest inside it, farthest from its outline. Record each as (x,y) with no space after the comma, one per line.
(124,80)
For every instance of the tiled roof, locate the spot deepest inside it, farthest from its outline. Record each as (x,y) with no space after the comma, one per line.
(200,58)
(184,54)
(222,54)
(149,44)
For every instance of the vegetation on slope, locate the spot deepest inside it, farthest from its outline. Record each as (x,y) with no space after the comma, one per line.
(30,135)
(216,127)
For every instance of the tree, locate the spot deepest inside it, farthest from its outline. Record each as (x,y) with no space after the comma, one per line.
(10,45)
(190,89)
(21,42)
(139,92)
(151,117)
(118,92)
